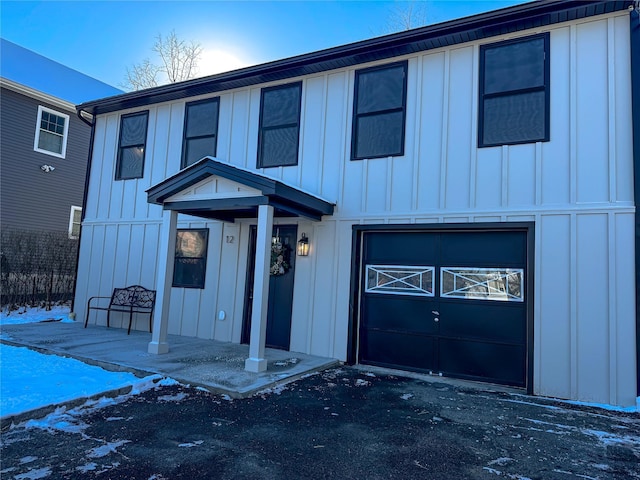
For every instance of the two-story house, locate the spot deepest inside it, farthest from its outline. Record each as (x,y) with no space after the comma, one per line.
(456,199)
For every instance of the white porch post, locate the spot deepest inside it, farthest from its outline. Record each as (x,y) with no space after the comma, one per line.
(166,252)
(256,361)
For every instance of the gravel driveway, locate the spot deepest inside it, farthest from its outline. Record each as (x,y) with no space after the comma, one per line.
(344,423)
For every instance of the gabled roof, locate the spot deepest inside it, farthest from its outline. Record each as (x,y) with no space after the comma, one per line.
(27,68)
(486,25)
(288,201)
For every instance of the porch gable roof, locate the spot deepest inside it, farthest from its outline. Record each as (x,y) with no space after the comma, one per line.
(287,200)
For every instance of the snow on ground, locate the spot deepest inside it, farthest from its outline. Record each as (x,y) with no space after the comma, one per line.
(31,380)
(33,314)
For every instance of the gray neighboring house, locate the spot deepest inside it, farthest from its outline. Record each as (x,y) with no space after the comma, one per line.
(43,144)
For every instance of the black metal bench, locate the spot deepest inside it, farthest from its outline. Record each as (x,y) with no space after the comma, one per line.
(133,299)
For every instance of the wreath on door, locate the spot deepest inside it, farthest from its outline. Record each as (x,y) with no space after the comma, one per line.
(280,257)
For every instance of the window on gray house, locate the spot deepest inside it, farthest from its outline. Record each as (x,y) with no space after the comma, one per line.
(51,132)
(279,129)
(190,264)
(379,109)
(514,92)
(75,219)
(131,146)
(200,130)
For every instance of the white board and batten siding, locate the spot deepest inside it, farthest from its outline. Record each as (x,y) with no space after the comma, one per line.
(577,188)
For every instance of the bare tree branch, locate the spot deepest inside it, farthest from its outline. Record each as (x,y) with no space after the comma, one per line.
(406,15)
(178,62)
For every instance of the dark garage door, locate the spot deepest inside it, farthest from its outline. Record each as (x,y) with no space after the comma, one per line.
(450,303)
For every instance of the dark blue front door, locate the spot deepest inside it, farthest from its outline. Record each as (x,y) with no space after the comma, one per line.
(280,288)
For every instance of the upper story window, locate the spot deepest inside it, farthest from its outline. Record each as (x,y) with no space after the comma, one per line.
(379,109)
(131,145)
(279,130)
(51,132)
(200,130)
(514,92)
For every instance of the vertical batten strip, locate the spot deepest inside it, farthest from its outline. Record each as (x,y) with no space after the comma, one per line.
(573,341)
(232,106)
(611,110)
(573,115)
(302,120)
(364,182)
(390,165)
(538,179)
(445,130)
(323,122)
(473,167)
(504,158)
(613,319)
(415,192)
(537,306)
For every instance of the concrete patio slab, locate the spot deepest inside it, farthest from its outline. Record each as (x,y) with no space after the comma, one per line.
(216,366)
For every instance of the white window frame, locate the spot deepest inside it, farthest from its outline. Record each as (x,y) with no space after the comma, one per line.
(74,209)
(36,140)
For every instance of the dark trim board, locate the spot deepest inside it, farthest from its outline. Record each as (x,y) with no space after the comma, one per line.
(356,275)
(634,19)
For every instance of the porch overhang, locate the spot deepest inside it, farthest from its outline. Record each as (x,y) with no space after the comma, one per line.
(286,200)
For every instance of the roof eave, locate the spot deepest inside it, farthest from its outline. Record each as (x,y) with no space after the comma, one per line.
(486,25)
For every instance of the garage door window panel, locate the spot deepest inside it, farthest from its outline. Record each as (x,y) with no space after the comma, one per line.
(400,280)
(502,284)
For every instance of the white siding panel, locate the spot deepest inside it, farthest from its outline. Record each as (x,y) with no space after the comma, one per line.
(136,246)
(215,275)
(376,191)
(239,124)
(95,266)
(460,124)
(552,320)
(488,178)
(342,269)
(324,293)
(83,274)
(311,136)
(229,270)
(556,154)
(622,128)
(622,339)
(95,176)
(335,135)
(303,303)
(522,175)
(225,121)
(150,255)
(433,120)
(592,113)
(106,167)
(592,307)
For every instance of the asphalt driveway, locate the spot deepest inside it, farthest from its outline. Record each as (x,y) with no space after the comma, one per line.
(343,423)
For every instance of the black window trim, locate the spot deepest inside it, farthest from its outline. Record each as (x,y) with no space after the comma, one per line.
(204,257)
(143,145)
(355,115)
(184,130)
(545,88)
(261,129)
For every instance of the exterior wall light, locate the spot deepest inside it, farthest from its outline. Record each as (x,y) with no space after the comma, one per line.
(303,245)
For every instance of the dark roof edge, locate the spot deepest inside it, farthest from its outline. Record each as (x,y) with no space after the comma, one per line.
(462,30)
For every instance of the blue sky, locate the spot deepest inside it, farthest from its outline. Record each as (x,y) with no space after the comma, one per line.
(102,38)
